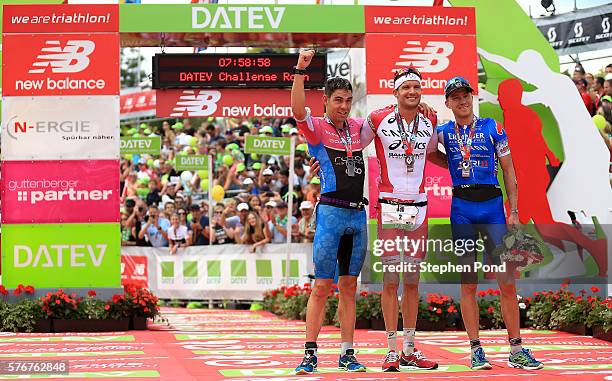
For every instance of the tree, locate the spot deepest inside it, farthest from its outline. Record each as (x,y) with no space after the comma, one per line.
(131,71)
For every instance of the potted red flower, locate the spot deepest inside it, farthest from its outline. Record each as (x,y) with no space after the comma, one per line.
(142,305)
(363,311)
(434,312)
(600,317)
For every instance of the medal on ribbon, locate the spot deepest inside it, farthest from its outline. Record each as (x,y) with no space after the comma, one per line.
(465,148)
(408,139)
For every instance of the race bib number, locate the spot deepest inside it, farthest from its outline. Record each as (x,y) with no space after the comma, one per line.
(401,216)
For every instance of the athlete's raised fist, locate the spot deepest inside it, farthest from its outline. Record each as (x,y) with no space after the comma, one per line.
(305,58)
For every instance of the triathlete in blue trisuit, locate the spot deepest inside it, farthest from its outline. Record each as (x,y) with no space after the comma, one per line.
(473,146)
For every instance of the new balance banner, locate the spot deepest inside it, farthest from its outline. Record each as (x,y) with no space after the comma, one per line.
(61,64)
(438,58)
(420,20)
(259,103)
(577,32)
(221,271)
(37,129)
(73,18)
(137,102)
(60,191)
(134,269)
(65,255)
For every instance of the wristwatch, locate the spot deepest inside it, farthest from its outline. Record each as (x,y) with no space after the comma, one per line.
(514,211)
(298,71)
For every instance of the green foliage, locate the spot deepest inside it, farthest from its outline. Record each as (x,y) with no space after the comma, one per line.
(21,316)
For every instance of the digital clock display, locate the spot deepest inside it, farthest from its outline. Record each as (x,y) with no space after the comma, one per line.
(233,70)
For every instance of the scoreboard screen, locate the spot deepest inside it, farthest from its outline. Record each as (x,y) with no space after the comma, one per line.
(233,70)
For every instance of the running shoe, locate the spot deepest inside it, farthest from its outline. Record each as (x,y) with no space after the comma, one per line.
(391,363)
(308,364)
(349,362)
(524,360)
(417,360)
(479,360)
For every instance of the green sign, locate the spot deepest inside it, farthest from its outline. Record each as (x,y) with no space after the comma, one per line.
(48,339)
(213,272)
(283,372)
(294,268)
(190,272)
(192,163)
(71,354)
(139,146)
(267,146)
(263,269)
(241,18)
(502,349)
(238,271)
(61,255)
(167,272)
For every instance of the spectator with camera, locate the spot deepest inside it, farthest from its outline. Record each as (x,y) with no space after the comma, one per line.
(221,233)
(156,228)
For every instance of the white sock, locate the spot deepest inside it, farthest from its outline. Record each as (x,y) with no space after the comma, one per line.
(409,340)
(345,345)
(392,340)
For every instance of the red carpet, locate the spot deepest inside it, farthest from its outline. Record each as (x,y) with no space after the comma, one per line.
(257,346)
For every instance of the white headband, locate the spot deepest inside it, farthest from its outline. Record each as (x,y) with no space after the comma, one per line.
(406,77)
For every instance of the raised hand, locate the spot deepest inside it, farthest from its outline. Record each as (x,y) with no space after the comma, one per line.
(305,58)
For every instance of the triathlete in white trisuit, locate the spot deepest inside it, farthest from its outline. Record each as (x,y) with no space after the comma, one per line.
(403,138)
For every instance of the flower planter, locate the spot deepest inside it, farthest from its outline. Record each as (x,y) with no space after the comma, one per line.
(489,323)
(427,325)
(578,329)
(361,323)
(599,333)
(459,324)
(138,323)
(43,326)
(90,325)
(378,324)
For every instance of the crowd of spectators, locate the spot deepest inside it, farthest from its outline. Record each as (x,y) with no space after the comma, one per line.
(162,207)
(596,93)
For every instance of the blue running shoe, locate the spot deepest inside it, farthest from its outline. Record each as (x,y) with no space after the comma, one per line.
(479,360)
(349,362)
(524,360)
(308,364)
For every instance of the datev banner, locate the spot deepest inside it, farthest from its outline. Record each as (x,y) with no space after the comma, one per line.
(65,255)
(35,128)
(56,192)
